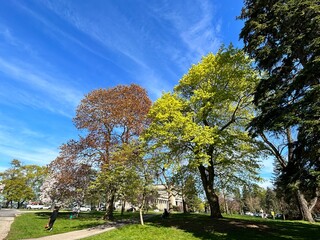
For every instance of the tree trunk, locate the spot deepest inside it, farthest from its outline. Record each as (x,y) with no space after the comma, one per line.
(226,208)
(123,204)
(213,200)
(305,208)
(170,196)
(109,213)
(141,216)
(184,204)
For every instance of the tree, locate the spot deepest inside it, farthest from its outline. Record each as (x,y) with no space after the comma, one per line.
(111,119)
(69,178)
(205,119)
(185,181)
(272,203)
(284,38)
(21,182)
(253,198)
(50,193)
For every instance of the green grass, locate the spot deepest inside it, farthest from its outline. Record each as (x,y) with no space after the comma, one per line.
(178,226)
(197,226)
(31,225)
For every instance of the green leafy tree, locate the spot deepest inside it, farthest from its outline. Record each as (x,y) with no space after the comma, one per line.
(185,182)
(205,119)
(253,198)
(272,203)
(283,36)
(21,182)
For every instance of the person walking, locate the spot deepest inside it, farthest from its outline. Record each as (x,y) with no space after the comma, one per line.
(52,218)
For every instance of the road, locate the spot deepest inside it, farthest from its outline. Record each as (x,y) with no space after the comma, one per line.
(6,218)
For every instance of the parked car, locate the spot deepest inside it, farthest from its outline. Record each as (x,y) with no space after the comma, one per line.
(46,207)
(249,213)
(84,209)
(34,206)
(102,208)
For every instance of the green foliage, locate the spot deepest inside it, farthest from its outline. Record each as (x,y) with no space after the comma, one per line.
(284,38)
(272,203)
(205,118)
(21,182)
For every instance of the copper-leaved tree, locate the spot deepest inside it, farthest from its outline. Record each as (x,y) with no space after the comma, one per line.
(111,119)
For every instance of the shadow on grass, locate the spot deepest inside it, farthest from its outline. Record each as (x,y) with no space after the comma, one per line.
(203,227)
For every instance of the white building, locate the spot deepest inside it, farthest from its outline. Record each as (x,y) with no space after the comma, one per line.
(163,198)
(162,201)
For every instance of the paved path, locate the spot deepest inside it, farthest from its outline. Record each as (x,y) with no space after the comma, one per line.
(6,219)
(74,235)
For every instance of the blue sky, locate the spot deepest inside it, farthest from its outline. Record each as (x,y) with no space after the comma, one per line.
(53,52)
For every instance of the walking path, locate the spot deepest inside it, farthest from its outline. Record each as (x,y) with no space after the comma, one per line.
(74,235)
(6,219)
(5,223)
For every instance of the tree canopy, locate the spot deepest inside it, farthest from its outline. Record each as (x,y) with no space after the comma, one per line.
(111,120)
(283,36)
(205,117)
(21,182)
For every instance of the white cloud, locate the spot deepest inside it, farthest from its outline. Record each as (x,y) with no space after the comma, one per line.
(52,94)
(39,156)
(26,146)
(117,33)
(196,28)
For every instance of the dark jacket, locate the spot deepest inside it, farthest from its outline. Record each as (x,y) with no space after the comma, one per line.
(54,214)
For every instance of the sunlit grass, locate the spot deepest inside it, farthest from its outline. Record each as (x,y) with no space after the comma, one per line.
(177,226)
(200,226)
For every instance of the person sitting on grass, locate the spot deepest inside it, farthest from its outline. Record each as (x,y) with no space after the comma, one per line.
(165,213)
(52,218)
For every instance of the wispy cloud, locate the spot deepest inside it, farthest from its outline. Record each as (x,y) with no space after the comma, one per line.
(48,86)
(39,156)
(7,36)
(118,35)
(27,146)
(196,27)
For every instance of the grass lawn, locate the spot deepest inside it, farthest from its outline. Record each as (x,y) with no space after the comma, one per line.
(197,226)
(31,225)
(178,226)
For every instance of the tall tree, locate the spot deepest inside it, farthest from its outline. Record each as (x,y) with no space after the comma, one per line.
(272,203)
(283,36)
(205,118)
(110,118)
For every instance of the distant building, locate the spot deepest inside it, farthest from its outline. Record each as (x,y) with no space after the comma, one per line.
(163,199)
